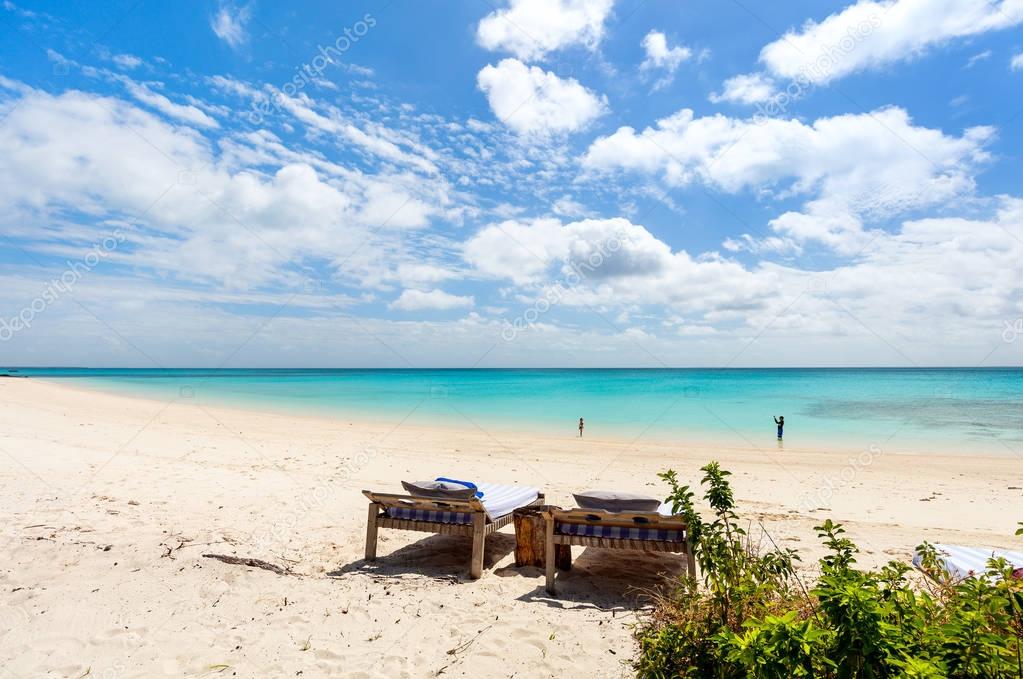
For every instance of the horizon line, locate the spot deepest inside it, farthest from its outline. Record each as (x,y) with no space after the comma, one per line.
(794,367)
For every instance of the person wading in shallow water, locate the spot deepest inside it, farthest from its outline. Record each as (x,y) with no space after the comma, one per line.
(780,421)
(580,427)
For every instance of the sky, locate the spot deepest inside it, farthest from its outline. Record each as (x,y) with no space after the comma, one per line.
(505,183)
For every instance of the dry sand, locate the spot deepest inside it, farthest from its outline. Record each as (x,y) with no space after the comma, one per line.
(108,503)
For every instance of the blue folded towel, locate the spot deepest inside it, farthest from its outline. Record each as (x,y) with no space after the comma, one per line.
(479,493)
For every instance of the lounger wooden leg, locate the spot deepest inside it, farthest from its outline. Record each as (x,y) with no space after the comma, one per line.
(549,555)
(478,540)
(371,531)
(690,559)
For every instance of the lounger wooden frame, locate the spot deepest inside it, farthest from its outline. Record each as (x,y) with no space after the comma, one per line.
(481,526)
(649,520)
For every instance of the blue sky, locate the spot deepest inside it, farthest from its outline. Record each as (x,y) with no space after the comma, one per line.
(517,183)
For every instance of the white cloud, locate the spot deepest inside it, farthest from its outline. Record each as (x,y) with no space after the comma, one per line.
(144,93)
(418,275)
(418,300)
(530,29)
(373,141)
(229,24)
(751,88)
(935,292)
(391,205)
(58,58)
(1016,63)
(233,86)
(126,61)
(951,277)
(609,262)
(530,100)
(185,113)
(189,213)
(852,166)
(938,289)
(871,35)
(696,330)
(567,207)
(521,252)
(933,289)
(977,58)
(659,55)
(770,245)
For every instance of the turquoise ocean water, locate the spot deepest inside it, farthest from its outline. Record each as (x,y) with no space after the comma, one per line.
(966,411)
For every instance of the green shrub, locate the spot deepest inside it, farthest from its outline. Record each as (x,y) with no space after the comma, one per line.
(751,616)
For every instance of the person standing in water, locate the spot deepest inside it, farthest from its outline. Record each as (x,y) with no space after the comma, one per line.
(580,427)
(780,421)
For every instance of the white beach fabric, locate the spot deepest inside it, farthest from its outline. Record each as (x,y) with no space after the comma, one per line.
(965,562)
(498,500)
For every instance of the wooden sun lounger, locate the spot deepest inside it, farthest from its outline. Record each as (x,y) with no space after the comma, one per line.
(597,517)
(481,526)
(960,562)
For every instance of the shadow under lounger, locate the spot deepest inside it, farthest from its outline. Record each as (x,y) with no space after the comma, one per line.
(642,531)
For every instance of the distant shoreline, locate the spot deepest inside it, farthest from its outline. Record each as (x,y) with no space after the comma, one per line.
(216,369)
(596,432)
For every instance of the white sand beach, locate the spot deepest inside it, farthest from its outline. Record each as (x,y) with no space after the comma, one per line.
(109,502)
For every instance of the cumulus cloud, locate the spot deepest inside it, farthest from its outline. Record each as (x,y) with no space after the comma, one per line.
(659,55)
(932,289)
(870,35)
(530,29)
(936,291)
(875,164)
(185,211)
(955,277)
(419,300)
(530,100)
(751,88)
(230,24)
(610,262)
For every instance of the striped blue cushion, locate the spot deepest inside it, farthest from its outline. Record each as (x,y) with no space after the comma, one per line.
(596,530)
(431,515)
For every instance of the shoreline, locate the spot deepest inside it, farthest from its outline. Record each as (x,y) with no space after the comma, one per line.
(112,501)
(686,438)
